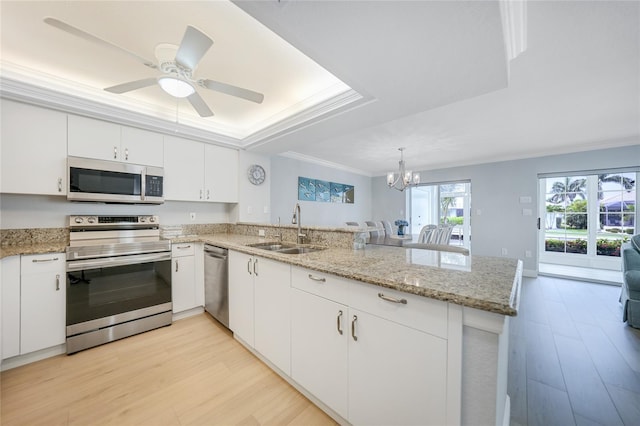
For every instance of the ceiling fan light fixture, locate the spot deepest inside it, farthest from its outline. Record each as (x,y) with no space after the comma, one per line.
(176,87)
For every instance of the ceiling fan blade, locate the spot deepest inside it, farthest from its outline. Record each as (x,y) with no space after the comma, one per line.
(239,92)
(199,105)
(90,37)
(132,85)
(192,48)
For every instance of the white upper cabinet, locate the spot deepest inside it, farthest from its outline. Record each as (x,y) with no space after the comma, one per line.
(103,140)
(196,171)
(141,147)
(183,170)
(220,174)
(34,150)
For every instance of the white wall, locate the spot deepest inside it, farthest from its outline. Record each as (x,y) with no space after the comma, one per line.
(496,213)
(284,194)
(39,211)
(253,200)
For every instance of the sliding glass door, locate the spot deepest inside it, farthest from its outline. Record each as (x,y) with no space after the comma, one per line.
(445,203)
(584,218)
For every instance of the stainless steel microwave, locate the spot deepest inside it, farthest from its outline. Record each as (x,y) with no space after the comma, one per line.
(114,182)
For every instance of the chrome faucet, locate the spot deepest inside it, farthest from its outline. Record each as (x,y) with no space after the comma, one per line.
(296,219)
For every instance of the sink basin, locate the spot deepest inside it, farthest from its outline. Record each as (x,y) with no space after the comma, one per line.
(299,250)
(272,246)
(285,248)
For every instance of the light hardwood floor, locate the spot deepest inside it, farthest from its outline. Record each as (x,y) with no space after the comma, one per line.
(572,360)
(191,373)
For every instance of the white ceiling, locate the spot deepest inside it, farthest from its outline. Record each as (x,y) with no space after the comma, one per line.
(432,75)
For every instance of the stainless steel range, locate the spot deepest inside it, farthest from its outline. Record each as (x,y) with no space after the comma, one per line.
(118,279)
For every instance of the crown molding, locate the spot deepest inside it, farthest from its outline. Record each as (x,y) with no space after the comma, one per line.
(70,103)
(309,159)
(38,88)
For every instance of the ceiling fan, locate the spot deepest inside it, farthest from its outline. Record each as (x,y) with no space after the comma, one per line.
(177,65)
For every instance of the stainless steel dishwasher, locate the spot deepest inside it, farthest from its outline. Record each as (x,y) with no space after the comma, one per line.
(216,283)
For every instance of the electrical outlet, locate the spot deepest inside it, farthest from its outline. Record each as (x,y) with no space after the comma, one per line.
(260,232)
(504,251)
(192,216)
(527,253)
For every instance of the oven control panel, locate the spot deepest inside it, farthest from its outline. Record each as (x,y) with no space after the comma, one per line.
(75,221)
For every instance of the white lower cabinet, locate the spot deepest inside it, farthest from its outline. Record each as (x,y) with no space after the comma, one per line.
(259,303)
(42,301)
(374,366)
(319,333)
(184,291)
(397,375)
(10,289)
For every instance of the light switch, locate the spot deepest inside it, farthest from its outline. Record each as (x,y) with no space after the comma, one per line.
(527,212)
(525,199)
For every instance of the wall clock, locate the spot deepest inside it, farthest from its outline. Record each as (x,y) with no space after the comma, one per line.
(256,174)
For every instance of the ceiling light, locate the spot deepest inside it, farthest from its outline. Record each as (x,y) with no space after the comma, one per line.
(402,178)
(176,87)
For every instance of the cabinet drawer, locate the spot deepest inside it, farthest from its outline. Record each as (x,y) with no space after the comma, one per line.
(39,263)
(418,312)
(321,284)
(183,249)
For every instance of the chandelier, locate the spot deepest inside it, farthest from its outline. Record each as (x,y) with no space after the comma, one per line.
(402,178)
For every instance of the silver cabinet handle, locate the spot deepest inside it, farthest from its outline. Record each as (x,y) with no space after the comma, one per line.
(208,193)
(255,270)
(53,259)
(319,279)
(59,184)
(249,266)
(339,322)
(353,328)
(392,299)
(126,154)
(57,282)
(115,152)
(183,247)
(176,266)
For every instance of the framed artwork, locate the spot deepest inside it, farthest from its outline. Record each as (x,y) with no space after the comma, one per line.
(324,191)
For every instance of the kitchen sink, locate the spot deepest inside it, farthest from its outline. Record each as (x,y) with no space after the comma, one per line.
(299,250)
(285,248)
(272,246)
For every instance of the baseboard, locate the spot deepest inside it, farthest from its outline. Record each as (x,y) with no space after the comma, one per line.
(188,313)
(25,359)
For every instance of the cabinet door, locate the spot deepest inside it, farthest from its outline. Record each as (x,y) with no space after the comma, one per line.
(183,283)
(91,138)
(42,302)
(241,302)
(319,333)
(183,169)
(10,290)
(272,312)
(141,147)
(34,150)
(397,375)
(221,174)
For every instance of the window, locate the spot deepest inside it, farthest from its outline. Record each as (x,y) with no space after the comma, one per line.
(586,218)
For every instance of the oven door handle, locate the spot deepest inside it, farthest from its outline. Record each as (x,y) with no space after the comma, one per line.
(79,265)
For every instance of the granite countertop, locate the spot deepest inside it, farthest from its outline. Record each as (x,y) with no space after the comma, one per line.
(486,283)
(33,248)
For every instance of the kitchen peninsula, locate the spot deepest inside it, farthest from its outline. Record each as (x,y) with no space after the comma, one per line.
(462,303)
(373,335)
